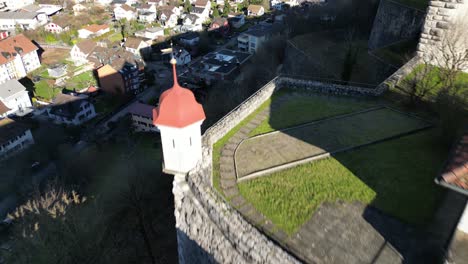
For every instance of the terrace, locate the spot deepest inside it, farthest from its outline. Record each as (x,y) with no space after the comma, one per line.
(378,158)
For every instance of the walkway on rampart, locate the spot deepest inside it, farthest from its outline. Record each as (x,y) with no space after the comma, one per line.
(350,232)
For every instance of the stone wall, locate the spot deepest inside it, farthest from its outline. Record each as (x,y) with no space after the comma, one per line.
(395,22)
(209,230)
(440,16)
(391,81)
(329,88)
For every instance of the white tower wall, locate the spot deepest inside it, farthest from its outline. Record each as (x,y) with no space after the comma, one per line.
(181,147)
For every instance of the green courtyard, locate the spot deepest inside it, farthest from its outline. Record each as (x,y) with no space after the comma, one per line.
(394,176)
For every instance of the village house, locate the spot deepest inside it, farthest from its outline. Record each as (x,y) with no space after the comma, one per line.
(220,24)
(181,55)
(14,98)
(137,46)
(150,33)
(58,25)
(253,38)
(191,22)
(147,17)
(71,109)
(103,2)
(93,30)
(13,5)
(189,39)
(157,2)
(125,12)
(79,9)
(14,137)
(119,72)
(143,8)
(168,18)
(237,21)
(203,4)
(81,50)
(142,117)
(48,9)
(24,20)
(18,57)
(255,10)
(219,65)
(201,12)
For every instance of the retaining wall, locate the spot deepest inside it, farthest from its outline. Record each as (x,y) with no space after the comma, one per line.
(209,230)
(395,22)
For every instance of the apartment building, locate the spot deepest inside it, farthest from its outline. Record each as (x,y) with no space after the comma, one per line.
(18,57)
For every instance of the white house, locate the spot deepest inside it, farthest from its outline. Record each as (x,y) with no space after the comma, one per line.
(255,10)
(157,2)
(150,33)
(58,25)
(252,39)
(93,30)
(137,46)
(25,20)
(81,50)
(79,9)
(142,117)
(18,56)
(147,17)
(14,96)
(14,137)
(203,4)
(179,125)
(143,8)
(168,19)
(125,11)
(71,110)
(13,5)
(103,2)
(203,13)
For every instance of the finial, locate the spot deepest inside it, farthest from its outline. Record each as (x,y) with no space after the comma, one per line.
(173,61)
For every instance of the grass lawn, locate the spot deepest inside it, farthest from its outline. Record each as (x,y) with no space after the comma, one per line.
(309,108)
(329,135)
(44,89)
(462,80)
(395,176)
(81,81)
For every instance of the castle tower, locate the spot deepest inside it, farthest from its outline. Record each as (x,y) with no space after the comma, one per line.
(179,117)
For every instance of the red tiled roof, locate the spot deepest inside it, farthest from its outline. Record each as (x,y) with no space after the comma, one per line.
(177,107)
(456,171)
(95,28)
(11,46)
(3,108)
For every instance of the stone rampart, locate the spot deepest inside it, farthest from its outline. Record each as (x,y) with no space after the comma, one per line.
(441,17)
(395,22)
(209,230)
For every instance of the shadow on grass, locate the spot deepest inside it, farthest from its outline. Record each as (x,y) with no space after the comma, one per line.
(394,177)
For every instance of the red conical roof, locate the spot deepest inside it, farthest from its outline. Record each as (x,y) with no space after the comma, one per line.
(177,106)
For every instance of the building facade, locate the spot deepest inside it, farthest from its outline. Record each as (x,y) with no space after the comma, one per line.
(14,137)
(14,96)
(18,57)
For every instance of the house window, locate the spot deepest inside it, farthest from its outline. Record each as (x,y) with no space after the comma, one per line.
(190,141)
(173,143)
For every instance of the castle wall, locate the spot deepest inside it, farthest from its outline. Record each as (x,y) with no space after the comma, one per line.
(440,19)
(209,230)
(395,22)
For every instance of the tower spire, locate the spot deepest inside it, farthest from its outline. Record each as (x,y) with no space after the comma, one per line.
(173,61)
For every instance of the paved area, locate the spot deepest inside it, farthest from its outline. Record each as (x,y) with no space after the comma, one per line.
(326,136)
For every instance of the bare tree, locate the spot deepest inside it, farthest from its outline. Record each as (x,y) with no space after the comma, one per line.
(420,84)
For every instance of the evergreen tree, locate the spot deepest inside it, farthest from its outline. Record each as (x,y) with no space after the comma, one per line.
(227,8)
(188,6)
(215,12)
